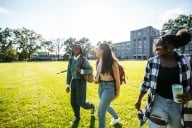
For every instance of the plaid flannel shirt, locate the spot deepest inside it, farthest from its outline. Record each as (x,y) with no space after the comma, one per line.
(151,74)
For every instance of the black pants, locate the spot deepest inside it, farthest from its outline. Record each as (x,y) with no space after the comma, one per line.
(78,96)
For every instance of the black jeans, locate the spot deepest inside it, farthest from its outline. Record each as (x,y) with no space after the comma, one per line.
(78,96)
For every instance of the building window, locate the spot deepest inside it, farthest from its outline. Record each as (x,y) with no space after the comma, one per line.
(139,50)
(139,34)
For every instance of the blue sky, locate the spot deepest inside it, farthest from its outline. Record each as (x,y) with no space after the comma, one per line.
(94,19)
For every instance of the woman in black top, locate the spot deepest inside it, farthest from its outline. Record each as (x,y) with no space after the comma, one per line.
(163,70)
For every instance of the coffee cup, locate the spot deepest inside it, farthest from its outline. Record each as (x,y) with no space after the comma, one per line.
(176,89)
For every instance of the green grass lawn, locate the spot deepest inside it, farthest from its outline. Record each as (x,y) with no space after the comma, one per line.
(32,95)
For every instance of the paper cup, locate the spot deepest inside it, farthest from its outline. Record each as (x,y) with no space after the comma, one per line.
(177,89)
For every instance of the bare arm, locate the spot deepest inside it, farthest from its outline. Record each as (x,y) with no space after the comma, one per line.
(138,103)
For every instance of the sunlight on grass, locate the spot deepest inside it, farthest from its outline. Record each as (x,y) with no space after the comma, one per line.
(33,96)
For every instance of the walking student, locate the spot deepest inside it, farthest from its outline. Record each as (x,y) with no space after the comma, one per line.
(109,84)
(77,84)
(168,67)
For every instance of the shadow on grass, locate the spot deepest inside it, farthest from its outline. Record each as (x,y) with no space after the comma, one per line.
(75,125)
(61,72)
(92,122)
(118,125)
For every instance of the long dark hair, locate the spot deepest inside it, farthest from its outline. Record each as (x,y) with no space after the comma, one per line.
(107,59)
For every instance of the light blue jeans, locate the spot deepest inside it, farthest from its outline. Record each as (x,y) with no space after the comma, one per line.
(168,110)
(106,93)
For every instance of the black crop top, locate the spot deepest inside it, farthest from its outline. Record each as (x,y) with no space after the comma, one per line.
(167,77)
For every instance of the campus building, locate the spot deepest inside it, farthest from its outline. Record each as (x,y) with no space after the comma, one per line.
(139,46)
(142,42)
(123,50)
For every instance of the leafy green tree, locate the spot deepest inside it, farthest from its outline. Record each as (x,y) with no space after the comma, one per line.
(173,25)
(68,46)
(92,54)
(6,45)
(48,46)
(84,42)
(85,45)
(12,55)
(27,42)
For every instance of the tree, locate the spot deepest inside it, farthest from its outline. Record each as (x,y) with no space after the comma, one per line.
(84,42)
(85,45)
(6,45)
(92,54)
(173,25)
(58,45)
(27,42)
(48,46)
(68,46)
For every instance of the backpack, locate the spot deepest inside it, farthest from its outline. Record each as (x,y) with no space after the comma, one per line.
(121,73)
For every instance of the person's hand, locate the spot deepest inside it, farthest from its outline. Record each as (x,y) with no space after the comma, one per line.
(67,89)
(138,105)
(184,98)
(95,80)
(116,95)
(78,69)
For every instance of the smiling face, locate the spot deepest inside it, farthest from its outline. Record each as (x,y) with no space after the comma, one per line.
(162,48)
(76,50)
(159,49)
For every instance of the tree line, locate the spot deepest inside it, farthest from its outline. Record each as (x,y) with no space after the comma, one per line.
(19,44)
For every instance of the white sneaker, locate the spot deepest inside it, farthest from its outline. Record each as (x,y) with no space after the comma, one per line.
(115,121)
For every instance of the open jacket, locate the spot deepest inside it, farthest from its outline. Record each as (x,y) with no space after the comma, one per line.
(81,62)
(150,78)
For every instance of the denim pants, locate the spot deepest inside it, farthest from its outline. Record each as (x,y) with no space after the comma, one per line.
(78,96)
(168,110)
(106,93)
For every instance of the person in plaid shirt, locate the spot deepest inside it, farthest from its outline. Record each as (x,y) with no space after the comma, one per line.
(166,68)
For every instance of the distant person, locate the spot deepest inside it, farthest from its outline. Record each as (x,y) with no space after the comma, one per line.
(162,71)
(109,84)
(77,84)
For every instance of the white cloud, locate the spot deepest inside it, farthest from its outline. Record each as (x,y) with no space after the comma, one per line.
(171,14)
(3,10)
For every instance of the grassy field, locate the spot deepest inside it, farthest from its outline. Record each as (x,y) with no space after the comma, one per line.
(32,95)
